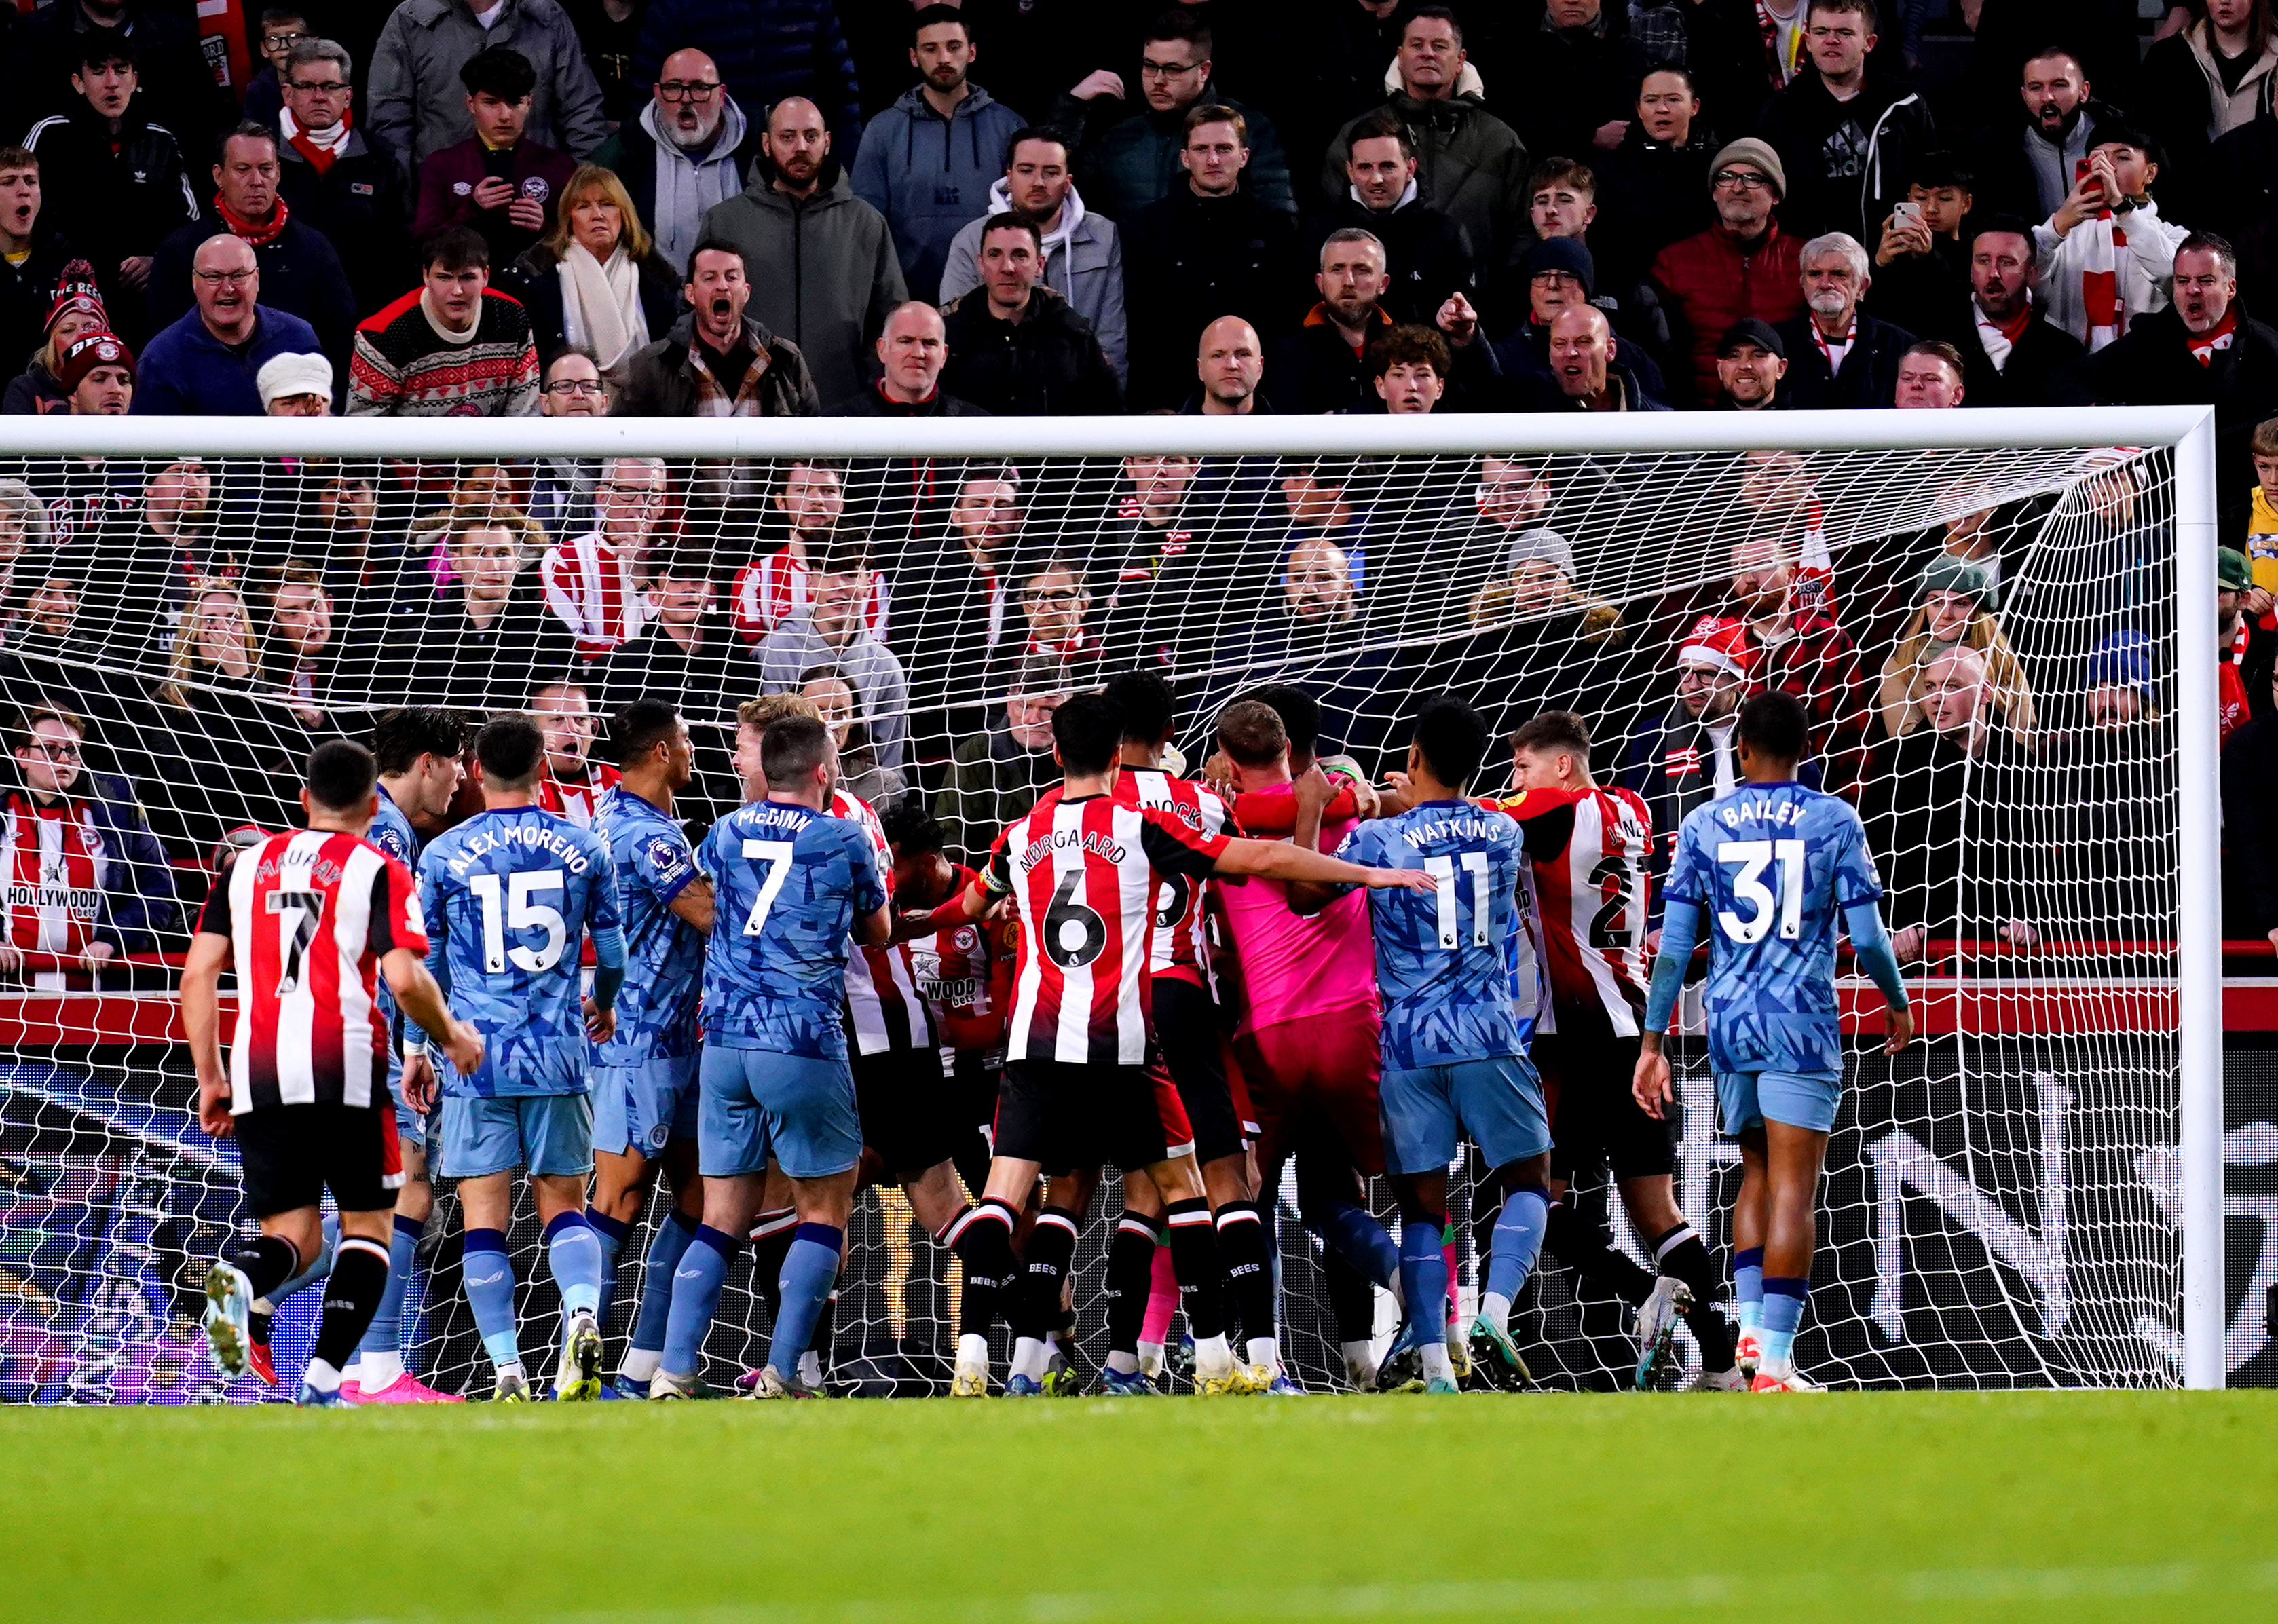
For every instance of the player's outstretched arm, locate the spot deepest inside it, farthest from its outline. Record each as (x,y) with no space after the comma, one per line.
(1276,860)
(967,906)
(1680,929)
(875,930)
(422,999)
(1872,945)
(201,1025)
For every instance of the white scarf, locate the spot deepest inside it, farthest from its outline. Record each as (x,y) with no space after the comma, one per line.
(600,305)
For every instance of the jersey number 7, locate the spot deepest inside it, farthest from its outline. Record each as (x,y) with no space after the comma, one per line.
(298,915)
(776,855)
(1754,857)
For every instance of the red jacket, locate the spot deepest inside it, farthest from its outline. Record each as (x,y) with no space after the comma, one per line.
(1707,284)
(1819,667)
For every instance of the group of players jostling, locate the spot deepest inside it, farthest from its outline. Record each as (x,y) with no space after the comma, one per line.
(1182,985)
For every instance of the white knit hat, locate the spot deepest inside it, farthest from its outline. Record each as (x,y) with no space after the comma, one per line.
(290,375)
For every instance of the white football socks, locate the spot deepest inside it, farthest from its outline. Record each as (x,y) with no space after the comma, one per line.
(378,1372)
(641,1364)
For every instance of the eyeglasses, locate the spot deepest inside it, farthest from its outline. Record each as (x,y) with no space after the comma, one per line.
(1166,70)
(633,498)
(331,86)
(1745,180)
(1058,594)
(235,279)
(679,90)
(282,41)
(56,750)
(576,385)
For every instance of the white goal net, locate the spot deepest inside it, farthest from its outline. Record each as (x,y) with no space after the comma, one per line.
(1992,642)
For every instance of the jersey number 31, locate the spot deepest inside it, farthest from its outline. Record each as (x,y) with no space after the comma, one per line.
(1753,857)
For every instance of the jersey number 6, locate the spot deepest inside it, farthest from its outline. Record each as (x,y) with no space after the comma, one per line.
(1068,916)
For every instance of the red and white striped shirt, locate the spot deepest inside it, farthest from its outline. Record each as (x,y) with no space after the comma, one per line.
(885,1008)
(310,915)
(576,802)
(965,972)
(1084,875)
(590,587)
(55,875)
(1180,949)
(1589,897)
(770,591)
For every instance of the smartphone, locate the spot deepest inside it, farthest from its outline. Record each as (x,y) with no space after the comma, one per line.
(1906,211)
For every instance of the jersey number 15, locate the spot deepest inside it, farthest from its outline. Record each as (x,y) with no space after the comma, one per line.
(1753,857)
(519,913)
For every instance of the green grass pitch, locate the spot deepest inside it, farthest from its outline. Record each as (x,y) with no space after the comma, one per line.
(1882,1508)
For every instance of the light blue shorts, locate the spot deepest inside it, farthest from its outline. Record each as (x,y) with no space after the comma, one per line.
(411,1126)
(757,1102)
(1497,1102)
(640,1107)
(548,1133)
(1799,1099)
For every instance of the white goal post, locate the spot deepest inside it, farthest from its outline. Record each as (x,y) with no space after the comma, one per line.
(1657,441)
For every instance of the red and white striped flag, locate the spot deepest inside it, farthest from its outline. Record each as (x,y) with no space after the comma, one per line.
(2099,280)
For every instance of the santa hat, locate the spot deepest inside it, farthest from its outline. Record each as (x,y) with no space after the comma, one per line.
(1716,643)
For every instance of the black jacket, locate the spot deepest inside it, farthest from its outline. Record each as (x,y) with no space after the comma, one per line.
(1870,369)
(1649,195)
(1846,162)
(872,402)
(431,652)
(1556,86)
(301,275)
(1048,364)
(113,205)
(1428,255)
(1188,261)
(1935,818)
(661,384)
(28,289)
(534,278)
(2249,829)
(1314,370)
(2040,353)
(175,83)
(359,207)
(1919,291)
(2151,364)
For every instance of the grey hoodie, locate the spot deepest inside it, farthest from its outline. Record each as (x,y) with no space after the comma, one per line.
(418,106)
(1083,262)
(880,688)
(823,270)
(928,175)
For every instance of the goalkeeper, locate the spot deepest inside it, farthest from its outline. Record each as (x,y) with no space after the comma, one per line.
(1774,865)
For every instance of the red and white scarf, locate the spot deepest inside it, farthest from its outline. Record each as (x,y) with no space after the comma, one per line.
(2100,279)
(1999,339)
(55,892)
(259,233)
(2203,345)
(321,151)
(1835,351)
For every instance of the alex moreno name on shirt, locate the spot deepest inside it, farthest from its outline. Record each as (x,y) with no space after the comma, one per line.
(550,839)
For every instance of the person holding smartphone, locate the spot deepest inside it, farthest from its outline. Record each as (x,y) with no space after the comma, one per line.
(2109,222)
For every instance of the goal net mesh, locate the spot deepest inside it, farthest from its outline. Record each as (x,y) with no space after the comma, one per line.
(1985,639)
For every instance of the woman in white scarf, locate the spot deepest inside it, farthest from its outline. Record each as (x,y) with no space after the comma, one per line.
(596,280)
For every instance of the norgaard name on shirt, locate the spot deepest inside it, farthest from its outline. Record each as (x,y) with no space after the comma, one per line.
(1099,845)
(1422,834)
(1733,813)
(534,836)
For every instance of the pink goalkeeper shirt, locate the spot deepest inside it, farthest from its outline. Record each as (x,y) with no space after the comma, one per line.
(1293,967)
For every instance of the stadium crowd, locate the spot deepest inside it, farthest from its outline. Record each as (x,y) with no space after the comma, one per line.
(788,209)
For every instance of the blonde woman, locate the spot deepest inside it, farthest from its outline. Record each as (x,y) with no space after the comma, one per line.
(1954,610)
(77,312)
(596,281)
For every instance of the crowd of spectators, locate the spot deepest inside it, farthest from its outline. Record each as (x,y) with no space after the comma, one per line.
(877,207)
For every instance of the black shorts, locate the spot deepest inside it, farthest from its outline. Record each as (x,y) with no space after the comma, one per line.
(1066,1117)
(293,1154)
(1595,1120)
(1186,1038)
(909,1109)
